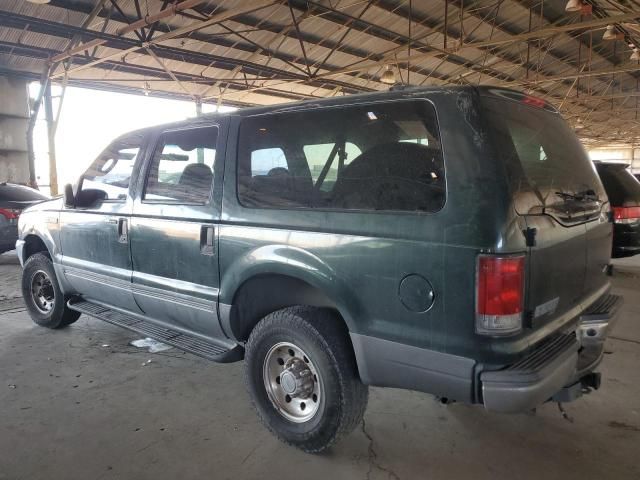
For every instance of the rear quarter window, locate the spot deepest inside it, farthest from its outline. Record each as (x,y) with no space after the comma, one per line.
(376,157)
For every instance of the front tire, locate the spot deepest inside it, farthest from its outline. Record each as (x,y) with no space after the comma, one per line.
(45,302)
(302,376)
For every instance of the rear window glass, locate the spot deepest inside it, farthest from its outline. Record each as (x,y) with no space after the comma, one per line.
(383,156)
(621,186)
(540,151)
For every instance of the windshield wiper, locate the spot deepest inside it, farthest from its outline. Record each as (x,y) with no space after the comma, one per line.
(586,195)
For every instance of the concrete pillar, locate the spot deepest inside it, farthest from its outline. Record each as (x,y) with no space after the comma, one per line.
(14,117)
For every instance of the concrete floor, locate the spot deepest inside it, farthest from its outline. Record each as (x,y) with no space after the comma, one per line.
(81,404)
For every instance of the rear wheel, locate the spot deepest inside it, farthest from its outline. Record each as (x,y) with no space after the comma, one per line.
(45,301)
(302,377)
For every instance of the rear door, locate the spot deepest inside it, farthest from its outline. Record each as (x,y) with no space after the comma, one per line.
(174,229)
(557,191)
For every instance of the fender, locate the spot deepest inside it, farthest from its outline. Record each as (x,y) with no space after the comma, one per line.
(43,222)
(291,262)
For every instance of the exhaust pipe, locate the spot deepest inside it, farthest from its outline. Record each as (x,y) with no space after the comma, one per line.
(591,381)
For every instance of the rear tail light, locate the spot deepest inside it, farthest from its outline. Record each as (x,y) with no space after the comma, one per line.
(626,214)
(9,213)
(499,294)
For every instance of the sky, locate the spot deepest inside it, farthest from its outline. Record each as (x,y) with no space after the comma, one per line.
(90,119)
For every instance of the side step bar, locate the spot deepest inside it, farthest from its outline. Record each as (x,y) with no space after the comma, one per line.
(180,340)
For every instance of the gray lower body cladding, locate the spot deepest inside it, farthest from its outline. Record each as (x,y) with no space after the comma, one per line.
(559,361)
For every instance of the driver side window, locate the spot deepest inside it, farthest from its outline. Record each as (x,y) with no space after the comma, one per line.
(111,171)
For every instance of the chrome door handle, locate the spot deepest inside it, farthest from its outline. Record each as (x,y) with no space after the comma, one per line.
(113,221)
(207,240)
(123,230)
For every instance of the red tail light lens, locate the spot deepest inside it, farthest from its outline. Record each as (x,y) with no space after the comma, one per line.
(626,214)
(500,294)
(9,214)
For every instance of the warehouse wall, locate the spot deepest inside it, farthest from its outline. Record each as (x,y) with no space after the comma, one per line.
(14,116)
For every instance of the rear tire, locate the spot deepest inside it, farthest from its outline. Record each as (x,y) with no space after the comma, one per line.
(45,302)
(306,342)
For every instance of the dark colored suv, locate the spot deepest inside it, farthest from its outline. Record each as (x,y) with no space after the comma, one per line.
(446,240)
(623,190)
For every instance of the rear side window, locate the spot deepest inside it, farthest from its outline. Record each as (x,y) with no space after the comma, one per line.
(111,171)
(381,157)
(182,166)
(623,189)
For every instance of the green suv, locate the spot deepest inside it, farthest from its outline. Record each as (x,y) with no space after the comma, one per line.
(448,240)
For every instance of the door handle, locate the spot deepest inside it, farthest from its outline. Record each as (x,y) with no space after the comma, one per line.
(207,240)
(123,230)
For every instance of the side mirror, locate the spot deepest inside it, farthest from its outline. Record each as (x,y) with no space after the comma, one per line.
(89,197)
(69,197)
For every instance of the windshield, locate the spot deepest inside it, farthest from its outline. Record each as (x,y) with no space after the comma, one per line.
(545,162)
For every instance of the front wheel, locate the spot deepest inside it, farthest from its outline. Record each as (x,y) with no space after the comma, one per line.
(46,303)
(302,376)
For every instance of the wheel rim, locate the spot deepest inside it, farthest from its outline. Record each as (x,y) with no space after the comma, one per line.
(42,292)
(292,382)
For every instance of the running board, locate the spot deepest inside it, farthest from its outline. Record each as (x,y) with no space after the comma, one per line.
(180,340)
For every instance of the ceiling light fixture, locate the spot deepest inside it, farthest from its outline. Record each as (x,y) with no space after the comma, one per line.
(573,6)
(610,33)
(39,2)
(388,76)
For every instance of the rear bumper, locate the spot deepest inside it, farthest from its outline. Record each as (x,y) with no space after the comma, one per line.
(626,240)
(8,237)
(555,364)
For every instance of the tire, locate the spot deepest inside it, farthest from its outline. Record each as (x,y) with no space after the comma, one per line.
(336,396)
(45,302)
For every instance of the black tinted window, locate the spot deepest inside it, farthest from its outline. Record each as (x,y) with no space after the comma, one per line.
(383,156)
(111,171)
(182,166)
(621,186)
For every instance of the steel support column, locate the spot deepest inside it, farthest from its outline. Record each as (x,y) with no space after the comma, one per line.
(48,112)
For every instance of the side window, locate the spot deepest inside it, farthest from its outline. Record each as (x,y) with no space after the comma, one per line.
(317,155)
(383,156)
(265,160)
(182,166)
(111,171)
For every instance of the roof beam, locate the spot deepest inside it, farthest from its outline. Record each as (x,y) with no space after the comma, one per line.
(168,53)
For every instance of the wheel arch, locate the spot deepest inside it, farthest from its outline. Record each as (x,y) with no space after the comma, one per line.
(274,277)
(33,244)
